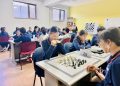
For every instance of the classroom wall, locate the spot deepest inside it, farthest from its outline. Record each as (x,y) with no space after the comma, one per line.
(60,24)
(96,11)
(43,16)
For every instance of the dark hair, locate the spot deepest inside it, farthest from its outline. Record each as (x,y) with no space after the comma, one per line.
(43,30)
(67,30)
(39,29)
(35,27)
(63,29)
(112,34)
(17,28)
(82,32)
(2,29)
(54,29)
(100,28)
(22,30)
(48,30)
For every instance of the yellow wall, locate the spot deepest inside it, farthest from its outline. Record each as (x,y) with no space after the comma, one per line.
(97,11)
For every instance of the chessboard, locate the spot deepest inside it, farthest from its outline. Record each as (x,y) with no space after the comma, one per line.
(91,27)
(98,52)
(72,64)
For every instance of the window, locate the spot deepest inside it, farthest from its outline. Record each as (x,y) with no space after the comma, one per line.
(32,11)
(62,14)
(24,10)
(58,14)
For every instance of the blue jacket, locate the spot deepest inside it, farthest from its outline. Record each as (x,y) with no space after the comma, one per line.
(23,38)
(73,35)
(4,44)
(34,33)
(112,76)
(77,44)
(4,34)
(52,51)
(30,34)
(16,37)
(112,72)
(95,40)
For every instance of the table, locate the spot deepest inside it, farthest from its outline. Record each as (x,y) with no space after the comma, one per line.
(55,73)
(12,55)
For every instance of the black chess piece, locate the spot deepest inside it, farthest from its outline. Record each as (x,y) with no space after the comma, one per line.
(85,61)
(82,62)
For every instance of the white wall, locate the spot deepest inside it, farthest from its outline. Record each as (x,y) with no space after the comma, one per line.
(112,22)
(43,16)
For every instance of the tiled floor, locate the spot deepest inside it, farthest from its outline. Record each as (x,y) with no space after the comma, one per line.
(11,75)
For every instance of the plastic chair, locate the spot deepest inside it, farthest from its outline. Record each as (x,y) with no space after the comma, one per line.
(66,40)
(26,48)
(4,39)
(4,42)
(38,56)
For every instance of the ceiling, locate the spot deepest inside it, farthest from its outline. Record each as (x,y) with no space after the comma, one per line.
(66,2)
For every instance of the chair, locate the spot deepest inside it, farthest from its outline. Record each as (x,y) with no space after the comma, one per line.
(26,48)
(38,56)
(4,42)
(4,39)
(66,40)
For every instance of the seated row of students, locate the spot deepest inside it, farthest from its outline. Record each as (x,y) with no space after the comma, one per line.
(36,32)
(52,46)
(78,43)
(22,31)
(42,35)
(23,36)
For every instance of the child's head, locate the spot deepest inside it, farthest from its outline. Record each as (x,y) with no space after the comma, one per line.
(100,29)
(82,35)
(110,39)
(54,34)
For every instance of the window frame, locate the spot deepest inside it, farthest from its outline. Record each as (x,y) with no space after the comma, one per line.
(59,14)
(28,4)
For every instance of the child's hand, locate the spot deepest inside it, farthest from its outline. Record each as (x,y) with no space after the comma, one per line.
(91,68)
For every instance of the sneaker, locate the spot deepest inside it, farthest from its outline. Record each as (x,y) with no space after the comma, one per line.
(29,60)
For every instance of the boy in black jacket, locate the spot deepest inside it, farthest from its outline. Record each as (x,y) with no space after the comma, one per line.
(52,46)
